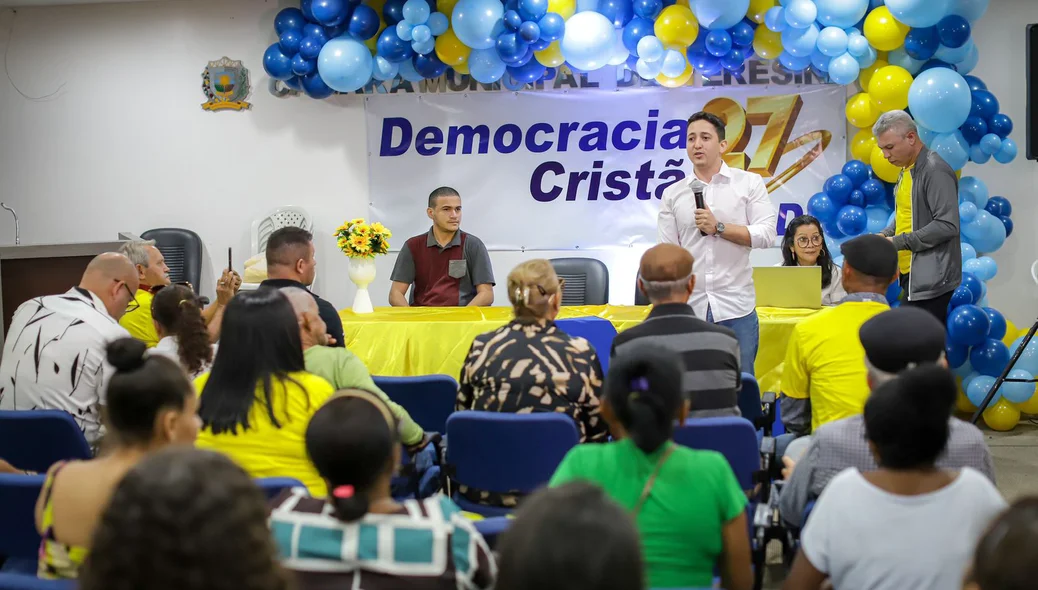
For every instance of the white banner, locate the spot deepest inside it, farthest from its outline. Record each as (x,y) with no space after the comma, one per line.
(586,169)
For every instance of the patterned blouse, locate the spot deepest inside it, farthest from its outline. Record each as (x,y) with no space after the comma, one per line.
(57,560)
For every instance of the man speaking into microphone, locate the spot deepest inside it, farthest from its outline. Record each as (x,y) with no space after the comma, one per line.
(719,214)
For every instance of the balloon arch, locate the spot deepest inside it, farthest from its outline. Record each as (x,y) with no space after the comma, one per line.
(901,54)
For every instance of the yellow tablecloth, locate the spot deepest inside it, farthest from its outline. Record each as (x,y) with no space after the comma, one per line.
(403,341)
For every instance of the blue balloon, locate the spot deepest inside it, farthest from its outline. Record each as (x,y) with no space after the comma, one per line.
(956,55)
(985,232)
(844,70)
(868,59)
(742,34)
(290,41)
(999,206)
(899,57)
(336,31)
(541,44)
(974,284)
(852,220)
(822,207)
(310,46)
(533,9)
(295,83)
(1007,153)
(832,41)
(877,219)
(969,63)
(857,171)
(511,48)
(919,13)
(967,212)
(634,32)
(984,104)
(794,63)
(856,198)
(477,23)
(485,66)
(841,13)
(968,251)
(1028,360)
(392,47)
(953,148)
(718,42)
(973,189)
(529,73)
(875,192)
(429,66)
(775,19)
(971,10)
(1001,125)
(735,58)
(408,71)
(364,22)
(838,188)
(990,144)
(276,63)
(552,27)
(404,30)
(968,325)
(978,389)
(588,41)
(800,13)
(620,12)
(344,64)
(998,323)
(529,31)
(974,267)
(302,66)
(936,63)
(331,13)
(289,19)
(1018,393)
(712,14)
(512,20)
(975,83)
(990,357)
(923,43)
(314,30)
(974,129)
(647,9)
(314,86)
(383,69)
(305,6)
(1007,223)
(800,42)
(978,155)
(894,293)
(857,44)
(673,64)
(961,296)
(438,23)
(940,100)
(821,61)
(650,48)
(393,12)
(956,355)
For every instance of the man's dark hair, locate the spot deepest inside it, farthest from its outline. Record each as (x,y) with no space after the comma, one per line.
(443,191)
(906,418)
(287,245)
(709,118)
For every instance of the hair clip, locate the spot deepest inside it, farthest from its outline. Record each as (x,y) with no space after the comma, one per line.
(639,384)
(343,492)
(184,302)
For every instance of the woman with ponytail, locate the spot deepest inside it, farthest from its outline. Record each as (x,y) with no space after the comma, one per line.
(353,441)
(687,504)
(149,405)
(183,335)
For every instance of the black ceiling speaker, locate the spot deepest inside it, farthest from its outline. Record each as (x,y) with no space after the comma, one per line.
(1032,92)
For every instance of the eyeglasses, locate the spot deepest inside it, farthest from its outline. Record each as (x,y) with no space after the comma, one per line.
(804,241)
(133,305)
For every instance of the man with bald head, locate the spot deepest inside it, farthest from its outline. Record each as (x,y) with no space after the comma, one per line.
(54,356)
(710,352)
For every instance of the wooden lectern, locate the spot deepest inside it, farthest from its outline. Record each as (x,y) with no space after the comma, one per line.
(42,269)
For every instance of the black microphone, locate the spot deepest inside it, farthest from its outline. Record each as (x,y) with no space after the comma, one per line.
(699,204)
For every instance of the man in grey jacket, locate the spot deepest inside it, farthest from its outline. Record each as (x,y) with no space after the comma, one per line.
(925,230)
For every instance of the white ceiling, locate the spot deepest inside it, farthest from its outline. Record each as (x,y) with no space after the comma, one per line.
(11,3)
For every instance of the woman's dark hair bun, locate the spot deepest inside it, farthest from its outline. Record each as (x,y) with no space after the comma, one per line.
(126,354)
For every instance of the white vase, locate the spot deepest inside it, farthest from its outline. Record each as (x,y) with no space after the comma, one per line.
(362,273)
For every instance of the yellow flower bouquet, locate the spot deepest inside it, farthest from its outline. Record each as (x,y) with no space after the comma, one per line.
(359,239)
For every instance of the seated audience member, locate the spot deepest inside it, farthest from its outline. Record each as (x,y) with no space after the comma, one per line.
(180,326)
(1006,554)
(291,263)
(257,399)
(909,524)
(709,352)
(894,341)
(687,504)
(824,376)
(340,541)
(339,366)
(184,519)
(153,276)
(804,245)
(151,404)
(573,537)
(445,267)
(54,351)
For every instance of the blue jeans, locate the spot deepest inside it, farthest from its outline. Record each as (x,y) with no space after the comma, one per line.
(747,332)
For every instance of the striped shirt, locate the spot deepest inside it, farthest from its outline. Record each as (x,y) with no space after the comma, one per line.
(709,352)
(428,545)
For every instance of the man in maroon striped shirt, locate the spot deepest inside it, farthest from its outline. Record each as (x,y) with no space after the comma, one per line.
(446,266)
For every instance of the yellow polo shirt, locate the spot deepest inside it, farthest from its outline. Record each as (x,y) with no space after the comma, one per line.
(138,322)
(825,361)
(903,217)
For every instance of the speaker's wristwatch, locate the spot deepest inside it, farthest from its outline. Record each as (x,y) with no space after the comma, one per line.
(720,228)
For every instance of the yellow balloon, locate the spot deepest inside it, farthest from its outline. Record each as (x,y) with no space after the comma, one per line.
(462,68)
(758,8)
(551,55)
(862,144)
(564,8)
(1002,416)
(963,403)
(377,5)
(883,31)
(1029,407)
(682,2)
(861,111)
(1011,333)
(767,43)
(679,81)
(450,49)
(676,24)
(866,73)
(372,43)
(889,88)
(444,6)
(883,169)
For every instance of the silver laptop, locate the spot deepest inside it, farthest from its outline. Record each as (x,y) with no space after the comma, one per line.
(788,286)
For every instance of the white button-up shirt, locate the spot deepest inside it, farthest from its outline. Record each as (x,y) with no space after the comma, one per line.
(724,277)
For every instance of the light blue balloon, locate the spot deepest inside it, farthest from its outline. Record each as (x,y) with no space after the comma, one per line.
(383,69)
(844,70)
(925,135)
(978,390)
(868,59)
(968,252)
(986,232)
(713,14)
(775,19)
(650,48)
(477,23)
(800,13)
(857,44)
(800,42)
(899,57)
(1018,393)
(954,55)
(820,61)
(794,63)
(972,266)
(1007,152)
(344,64)
(877,218)
(841,13)
(967,211)
(832,41)
(987,268)
(978,155)
(952,147)
(438,23)
(588,40)
(991,143)
(404,30)
(919,13)
(673,64)
(1028,360)
(940,100)
(648,70)
(416,12)
(421,33)
(423,47)
(973,189)
(485,65)
(968,64)
(970,10)
(966,372)
(585,5)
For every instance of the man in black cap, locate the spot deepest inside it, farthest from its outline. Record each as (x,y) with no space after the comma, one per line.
(894,341)
(823,377)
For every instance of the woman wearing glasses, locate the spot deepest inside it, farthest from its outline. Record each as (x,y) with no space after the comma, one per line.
(804,245)
(529,365)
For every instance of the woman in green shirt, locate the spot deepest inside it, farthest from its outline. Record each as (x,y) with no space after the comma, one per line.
(687,504)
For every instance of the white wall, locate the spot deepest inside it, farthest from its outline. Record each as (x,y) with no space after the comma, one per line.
(123,145)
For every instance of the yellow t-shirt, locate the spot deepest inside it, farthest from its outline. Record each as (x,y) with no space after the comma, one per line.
(138,322)
(825,361)
(265,450)
(903,217)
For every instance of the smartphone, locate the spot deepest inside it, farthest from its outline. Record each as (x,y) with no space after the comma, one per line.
(229,265)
